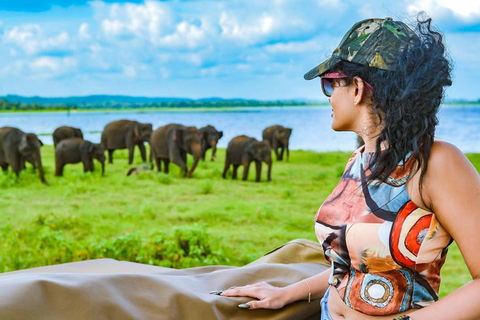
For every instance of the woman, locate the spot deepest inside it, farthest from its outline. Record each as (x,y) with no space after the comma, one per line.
(404,195)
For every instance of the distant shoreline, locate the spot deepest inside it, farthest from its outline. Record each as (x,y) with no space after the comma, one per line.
(201,109)
(170,109)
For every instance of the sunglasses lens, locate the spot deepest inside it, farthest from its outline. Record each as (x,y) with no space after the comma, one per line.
(327,86)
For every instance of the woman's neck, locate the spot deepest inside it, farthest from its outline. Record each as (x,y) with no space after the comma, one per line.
(371,144)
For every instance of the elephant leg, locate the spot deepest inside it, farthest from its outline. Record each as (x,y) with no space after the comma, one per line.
(214,154)
(225,169)
(288,153)
(143,152)
(130,154)
(59,169)
(269,172)
(158,162)
(204,152)
(258,167)
(246,166)
(281,153)
(184,159)
(235,171)
(16,167)
(5,167)
(165,165)
(110,155)
(276,154)
(86,166)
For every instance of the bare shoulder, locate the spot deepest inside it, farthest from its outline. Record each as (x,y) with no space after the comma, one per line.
(447,160)
(451,179)
(442,152)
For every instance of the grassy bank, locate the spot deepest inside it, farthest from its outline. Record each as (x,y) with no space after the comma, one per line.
(169,220)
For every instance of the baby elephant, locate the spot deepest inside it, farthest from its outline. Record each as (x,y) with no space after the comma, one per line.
(74,150)
(279,138)
(242,150)
(136,170)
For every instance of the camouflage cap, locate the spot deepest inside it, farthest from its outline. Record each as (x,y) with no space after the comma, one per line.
(371,42)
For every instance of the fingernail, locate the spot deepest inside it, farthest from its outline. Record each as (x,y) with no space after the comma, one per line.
(244,306)
(231,288)
(217,292)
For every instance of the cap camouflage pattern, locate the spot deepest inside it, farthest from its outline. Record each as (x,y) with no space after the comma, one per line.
(372,42)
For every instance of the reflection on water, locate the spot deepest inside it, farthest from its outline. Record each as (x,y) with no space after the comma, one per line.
(311,125)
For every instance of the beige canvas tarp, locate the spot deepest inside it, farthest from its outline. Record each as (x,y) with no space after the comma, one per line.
(111,289)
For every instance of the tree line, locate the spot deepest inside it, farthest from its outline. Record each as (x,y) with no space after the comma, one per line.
(17,106)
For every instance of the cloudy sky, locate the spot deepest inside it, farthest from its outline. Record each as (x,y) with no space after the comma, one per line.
(255,49)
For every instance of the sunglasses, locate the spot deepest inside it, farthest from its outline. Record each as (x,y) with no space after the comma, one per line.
(328,80)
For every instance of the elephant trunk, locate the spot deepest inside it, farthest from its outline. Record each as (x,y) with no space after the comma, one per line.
(38,162)
(286,148)
(214,149)
(197,154)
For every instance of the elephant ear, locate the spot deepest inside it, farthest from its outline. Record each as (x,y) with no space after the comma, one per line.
(23,143)
(90,146)
(78,133)
(178,136)
(176,144)
(136,134)
(250,148)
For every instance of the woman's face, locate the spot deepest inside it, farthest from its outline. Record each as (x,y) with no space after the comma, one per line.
(345,115)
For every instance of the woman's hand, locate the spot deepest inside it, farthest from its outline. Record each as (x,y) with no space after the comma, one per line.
(269,297)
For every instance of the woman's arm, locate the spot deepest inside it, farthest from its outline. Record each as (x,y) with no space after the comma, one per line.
(452,190)
(270,297)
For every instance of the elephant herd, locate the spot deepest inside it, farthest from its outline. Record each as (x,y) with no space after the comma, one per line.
(168,143)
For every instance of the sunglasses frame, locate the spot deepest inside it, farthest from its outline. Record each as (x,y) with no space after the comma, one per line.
(339,75)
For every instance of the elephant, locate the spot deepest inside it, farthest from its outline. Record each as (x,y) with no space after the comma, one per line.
(125,134)
(75,150)
(278,137)
(16,147)
(210,140)
(172,142)
(242,150)
(64,132)
(136,170)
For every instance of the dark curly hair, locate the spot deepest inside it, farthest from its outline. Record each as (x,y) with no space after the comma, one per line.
(407,100)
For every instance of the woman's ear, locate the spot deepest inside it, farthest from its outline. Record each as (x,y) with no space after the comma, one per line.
(359,89)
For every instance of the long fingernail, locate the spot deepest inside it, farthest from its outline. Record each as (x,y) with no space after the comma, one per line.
(244,306)
(217,292)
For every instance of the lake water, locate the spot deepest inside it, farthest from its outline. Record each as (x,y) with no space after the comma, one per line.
(311,125)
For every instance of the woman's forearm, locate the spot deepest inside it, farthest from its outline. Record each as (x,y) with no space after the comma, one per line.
(460,304)
(315,286)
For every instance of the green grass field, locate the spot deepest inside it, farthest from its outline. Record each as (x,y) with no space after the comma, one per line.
(169,220)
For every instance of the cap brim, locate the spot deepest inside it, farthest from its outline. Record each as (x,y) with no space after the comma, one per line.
(321,68)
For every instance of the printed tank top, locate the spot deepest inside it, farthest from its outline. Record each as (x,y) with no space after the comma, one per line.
(386,253)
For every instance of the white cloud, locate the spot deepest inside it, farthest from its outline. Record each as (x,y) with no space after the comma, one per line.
(32,40)
(464,9)
(45,67)
(83,33)
(149,20)
(129,71)
(26,37)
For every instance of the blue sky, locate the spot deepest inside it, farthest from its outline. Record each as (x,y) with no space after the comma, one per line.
(254,49)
